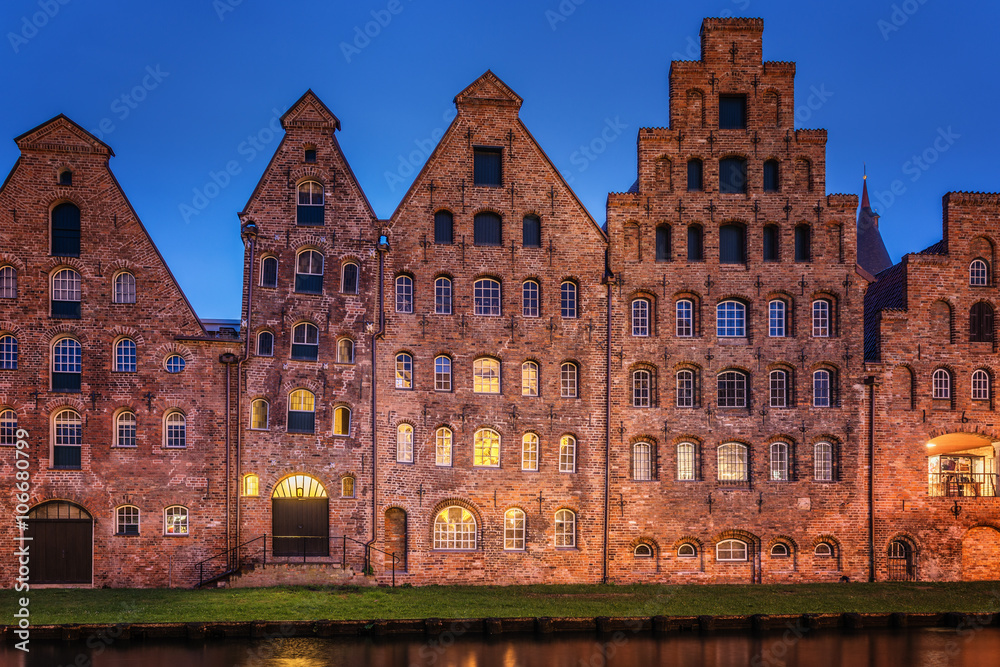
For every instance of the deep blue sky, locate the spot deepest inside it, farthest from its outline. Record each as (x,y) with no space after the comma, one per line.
(891,93)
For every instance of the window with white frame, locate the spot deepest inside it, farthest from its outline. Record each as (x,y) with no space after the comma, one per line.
(349,274)
(529,452)
(731,550)
(513,530)
(125,429)
(346,486)
(404,294)
(732,389)
(265,344)
(175,363)
(642,551)
(685,389)
(686,462)
(305,342)
(732,462)
(309,272)
(821,318)
(269,271)
(568,377)
(259,414)
(486,450)
(685,318)
(780,550)
(823,461)
(486,295)
(567,299)
(342,420)
(687,550)
(127,520)
(404,443)
(455,529)
(730,320)
(640,317)
(776,318)
(529,379)
(345,351)
(642,461)
(125,356)
(529,299)
(822,388)
(175,431)
(67,439)
(979,273)
(486,376)
(8,427)
(779,462)
(404,371)
(8,282)
(442,296)
(642,384)
(251,485)
(565,528)
(941,381)
(567,454)
(442,373)
(980,385)
(301,417)
(8,353)
(175,520)
(66,294)
(778,381)
(310,204)
(443,440)
(124,288)
(67,365)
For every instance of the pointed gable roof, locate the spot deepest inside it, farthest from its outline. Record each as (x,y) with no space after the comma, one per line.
(489,89)
(309,111)
(60,134)
(872,255)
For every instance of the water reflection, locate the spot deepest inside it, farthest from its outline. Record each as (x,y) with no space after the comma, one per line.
(913,648)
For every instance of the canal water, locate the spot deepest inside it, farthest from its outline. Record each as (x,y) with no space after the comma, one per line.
(974,647)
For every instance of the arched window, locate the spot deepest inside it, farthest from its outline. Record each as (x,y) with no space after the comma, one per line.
(803,243)
(642,388)
(730,319)
(269,271)
(513,530)
(663,250)
(67,363)
(404,443)
(442,373)
(733,175)
(565,526)
(67,439)
(404,371)
(125,429)
(771,243)
(251,485)
(486,450)
(529,298)
(981,323)
(980,385)
(771,182)
(124,288)
(567,454)
(529,452)
(65,177)
(779,462)
(821,312)
(979,273)
(642,461)
(66,294)
(531,232)
(342,420)
(685,318)
(346,486)
(349,278)
(529,379)
(310,208)
(640,317)
(687,550)
(568,299)
(443,439)
(455,529)
(309,272)
(301,412)
(486,376)
(487,297)
(125,356)
(732,462)
(732,389)
(695,175)
(175,430)
(442,296)
(687,463)
(822,388)
(305,342)
(175,363)
(404,294)
(260,411)
(444,225)
(345,351)
(823,462)
(941,381)
(486,229)
(780,550)
(175,520)
(65,230)
(642,551)
(778,389)
(127,520)
(8,282)
(696,251)
(823,550)
(732,244)
(8,427)
(568,374)
(686,388)
(776,318)
(8,353)
(731,550)
(265,344)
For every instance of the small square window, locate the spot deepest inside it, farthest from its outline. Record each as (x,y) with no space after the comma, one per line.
(488,166)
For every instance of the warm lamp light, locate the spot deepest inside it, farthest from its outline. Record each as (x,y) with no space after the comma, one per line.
(931,444)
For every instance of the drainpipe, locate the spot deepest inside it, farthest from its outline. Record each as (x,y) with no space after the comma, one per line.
(382,247)
(608,277)
(870,383)
(249,234)
(228,358)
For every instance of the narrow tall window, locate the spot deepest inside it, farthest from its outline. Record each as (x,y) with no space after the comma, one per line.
(345,351)
(732,244)
(265,344)
(67,357)
(65,231)
(567,299)
(8,353)
(175,431)
(443,439)
(642,382)
(567,454)
(305,342)
(979,273)
(8,282)
(309,272)
(404,294)
(442,296)
(125,356)
(531,231)
(529,379)
(487,166)
(565,526)
(730,319)
(771,183)
(529,452)
(404,371)
(342,420)
(770,243)
(732,112)
(125,429)
(776,319)
(732,462)
(124,288)
(65,177)
(685,318)
(732,389)
(486,451)
(251,485)
(444,225)
(822,389)
(686,471)
(642,461)
(685,389)
(347,487)
(301,412)
(941,384)
(821,318)
(67,440)
(442,373)
(695,175)
(779,462)
(640,317)
(486,376)
(823,461)
(980,384)
(66,294)
(696,252)
(269,272)
(778,389)
(569,373)
(513,530)
(529,299)
(259,414)
(310,207)
(980,323)
(803,243)
(487,229)
(349,278)
(486,293)
(404,443)
(663,243)
(733,175)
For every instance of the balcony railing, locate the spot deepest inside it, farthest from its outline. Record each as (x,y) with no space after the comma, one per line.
(962,484)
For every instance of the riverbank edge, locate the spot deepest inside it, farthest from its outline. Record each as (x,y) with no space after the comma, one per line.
(437,629)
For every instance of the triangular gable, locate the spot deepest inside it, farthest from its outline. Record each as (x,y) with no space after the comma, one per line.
(61,134)
(309,111)
(488,89)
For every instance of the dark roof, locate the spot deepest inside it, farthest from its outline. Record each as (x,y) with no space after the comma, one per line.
(635,187)
(872,255)
(939,248)
(888,292)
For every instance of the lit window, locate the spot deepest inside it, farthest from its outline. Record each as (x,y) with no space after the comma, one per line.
(779,462)
(404,294)
(823,461)
(513,530)
(8,427)
(8,282)
(486,376)
(942,384)
(568,380)
(68,439)
(342,421)
(442,446)
(685,389)
(127,520)
(301,412)
(310,207)
(442,296)
(732,462)
(404,443)
(124,288)
(125,429)
(529,379)
(487,297)
(685,318)
(455,529)
(251,485)
(269,272)
(259,413)
(642,382)
(687,550)
(642,461)
(567,299)
(66,294)
(176,431)
(776,319)
(175,520)
(640,317)
(349,278)
(529,299)
(265,344)
(404,371)
(125,356)
(821,318)
(686,462)
(567,454)
(305,342)
(442,374)
(730,319)
(731,550)
(980,383)
(8,353)
(529,452)
(347,487)
(565,526)
(979,273)
(732,389)
(778,389)
(345,351)
(309,272)
(486,452)
(821,389)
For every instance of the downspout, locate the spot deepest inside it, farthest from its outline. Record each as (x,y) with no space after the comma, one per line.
(228,358)
(870,382)
(249,234)
(382,248)
(608,277)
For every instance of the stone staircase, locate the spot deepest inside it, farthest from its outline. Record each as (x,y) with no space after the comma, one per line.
(294,574)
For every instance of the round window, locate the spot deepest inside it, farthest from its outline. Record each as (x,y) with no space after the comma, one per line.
(175,363)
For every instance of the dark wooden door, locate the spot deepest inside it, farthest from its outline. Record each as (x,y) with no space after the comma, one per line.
(300,526)
(61,551)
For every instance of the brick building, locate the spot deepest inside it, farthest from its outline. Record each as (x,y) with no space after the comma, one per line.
(729,382)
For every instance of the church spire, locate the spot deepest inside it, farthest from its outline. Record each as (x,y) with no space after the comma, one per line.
(872,255)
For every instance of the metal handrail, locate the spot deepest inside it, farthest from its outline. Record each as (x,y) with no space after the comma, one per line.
(344,540)
(229,557)
(962,484)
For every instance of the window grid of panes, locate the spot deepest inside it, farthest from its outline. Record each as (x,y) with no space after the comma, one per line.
(732,389)
(442,374)
(442,296)
(776,319)
(640,317)
(529,299)
(487,297)
(685,319)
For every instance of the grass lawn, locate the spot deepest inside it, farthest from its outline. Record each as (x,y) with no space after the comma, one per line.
(51,606)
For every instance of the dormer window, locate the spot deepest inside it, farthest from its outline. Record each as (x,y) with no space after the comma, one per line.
(732,112)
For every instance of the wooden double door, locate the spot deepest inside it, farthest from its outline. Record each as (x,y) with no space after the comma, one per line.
(300,526)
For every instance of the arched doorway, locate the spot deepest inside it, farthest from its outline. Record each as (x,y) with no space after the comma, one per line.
(62,543)
(901,562)
(395,535)
(300,517)
(980,547)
